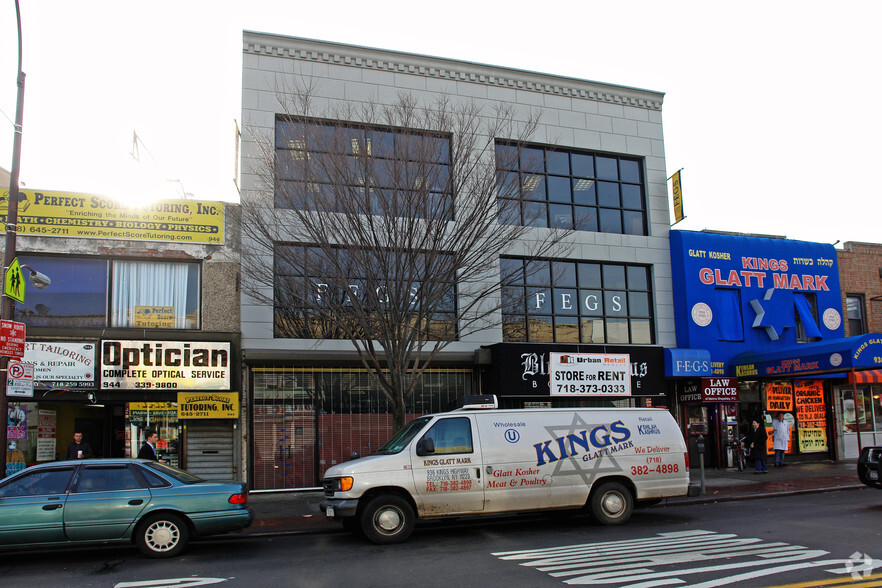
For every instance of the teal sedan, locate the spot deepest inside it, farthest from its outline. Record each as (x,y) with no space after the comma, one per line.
(153,505)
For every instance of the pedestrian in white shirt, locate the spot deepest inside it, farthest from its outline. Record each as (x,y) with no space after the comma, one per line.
(780,438)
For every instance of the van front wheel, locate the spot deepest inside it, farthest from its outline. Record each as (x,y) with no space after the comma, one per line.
(387,519)
(612,503)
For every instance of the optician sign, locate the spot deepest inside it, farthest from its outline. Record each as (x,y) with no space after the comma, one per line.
(71,214)
(590,374)
(165,365)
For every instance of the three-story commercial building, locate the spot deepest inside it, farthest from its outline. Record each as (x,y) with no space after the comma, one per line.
(594,168)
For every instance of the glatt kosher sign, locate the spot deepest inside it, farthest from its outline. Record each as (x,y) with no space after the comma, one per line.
(165,365)
(590,374)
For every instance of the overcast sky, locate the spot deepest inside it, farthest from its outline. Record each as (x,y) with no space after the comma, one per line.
(771,108)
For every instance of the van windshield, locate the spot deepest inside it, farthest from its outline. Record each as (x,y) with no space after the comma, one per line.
(400,440)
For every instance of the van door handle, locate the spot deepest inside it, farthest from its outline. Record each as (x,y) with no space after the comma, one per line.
(52,506)
(478,472)
(136,502)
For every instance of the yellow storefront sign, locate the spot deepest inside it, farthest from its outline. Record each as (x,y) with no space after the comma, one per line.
(812,440)
(139,411)
(155,317)
(71,214)
(208,405)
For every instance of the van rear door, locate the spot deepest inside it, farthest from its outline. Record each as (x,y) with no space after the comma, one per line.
(449,479)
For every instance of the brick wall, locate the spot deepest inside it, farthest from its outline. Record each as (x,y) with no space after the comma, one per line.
(860,272)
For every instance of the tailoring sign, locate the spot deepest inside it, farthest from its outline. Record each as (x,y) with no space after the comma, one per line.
(62,364)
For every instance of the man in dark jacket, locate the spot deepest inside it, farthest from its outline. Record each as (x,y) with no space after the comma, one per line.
(148,449)
(756,442)
(78,449)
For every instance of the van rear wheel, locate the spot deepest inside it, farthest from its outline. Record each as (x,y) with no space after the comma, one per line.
(612,503)
(387,519)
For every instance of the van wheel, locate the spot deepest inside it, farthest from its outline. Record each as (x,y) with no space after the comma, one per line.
(387,519)
(611,503)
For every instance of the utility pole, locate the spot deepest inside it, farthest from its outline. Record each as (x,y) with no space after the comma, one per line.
(8,308)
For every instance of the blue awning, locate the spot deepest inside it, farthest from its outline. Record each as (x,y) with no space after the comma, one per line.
(861,352)
(687,363)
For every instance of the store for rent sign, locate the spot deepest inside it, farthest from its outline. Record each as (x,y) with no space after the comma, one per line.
(165,365)
(590,374)
(213,405)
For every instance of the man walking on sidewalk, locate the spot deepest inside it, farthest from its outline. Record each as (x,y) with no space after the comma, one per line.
(780,438)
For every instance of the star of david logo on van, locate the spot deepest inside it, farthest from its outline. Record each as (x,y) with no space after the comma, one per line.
(587,464)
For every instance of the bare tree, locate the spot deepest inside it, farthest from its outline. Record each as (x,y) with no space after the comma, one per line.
(383,225)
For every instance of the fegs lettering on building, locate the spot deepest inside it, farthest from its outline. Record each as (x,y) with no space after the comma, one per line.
(165,365)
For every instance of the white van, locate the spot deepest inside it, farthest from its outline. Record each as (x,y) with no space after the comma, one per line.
(480,460)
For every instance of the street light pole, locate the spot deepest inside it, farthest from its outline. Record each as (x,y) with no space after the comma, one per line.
(8,308)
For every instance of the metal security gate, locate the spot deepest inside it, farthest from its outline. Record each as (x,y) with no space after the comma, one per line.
(210,451)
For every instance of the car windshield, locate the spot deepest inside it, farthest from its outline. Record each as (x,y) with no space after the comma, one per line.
(175,473)
(400,440)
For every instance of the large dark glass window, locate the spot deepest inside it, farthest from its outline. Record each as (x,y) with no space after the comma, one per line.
(576,302)
(303,291)
(360,169)
(559,188)
(89,292)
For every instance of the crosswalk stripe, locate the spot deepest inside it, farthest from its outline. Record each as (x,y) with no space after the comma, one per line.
(648,562)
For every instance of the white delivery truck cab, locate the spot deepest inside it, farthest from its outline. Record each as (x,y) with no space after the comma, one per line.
(482,460)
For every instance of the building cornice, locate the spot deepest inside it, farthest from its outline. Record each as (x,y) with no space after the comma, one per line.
(264,44)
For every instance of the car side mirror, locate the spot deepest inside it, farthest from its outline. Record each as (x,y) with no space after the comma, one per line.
(425,446)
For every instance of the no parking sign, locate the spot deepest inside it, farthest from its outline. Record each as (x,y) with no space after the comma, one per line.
(20,379)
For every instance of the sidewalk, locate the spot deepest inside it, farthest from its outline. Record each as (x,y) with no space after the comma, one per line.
(298,512)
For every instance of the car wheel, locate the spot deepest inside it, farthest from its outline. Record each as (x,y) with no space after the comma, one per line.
(162,535)
(612,503)
(387,519)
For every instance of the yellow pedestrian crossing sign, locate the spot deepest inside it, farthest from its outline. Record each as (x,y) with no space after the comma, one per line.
(14,284)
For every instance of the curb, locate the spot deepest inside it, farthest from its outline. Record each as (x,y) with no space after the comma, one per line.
(708,499)
(332,528)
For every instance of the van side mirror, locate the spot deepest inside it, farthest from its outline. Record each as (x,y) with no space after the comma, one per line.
(425,446)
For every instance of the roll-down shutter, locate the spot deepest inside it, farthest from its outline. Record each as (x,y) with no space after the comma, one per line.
(210,450)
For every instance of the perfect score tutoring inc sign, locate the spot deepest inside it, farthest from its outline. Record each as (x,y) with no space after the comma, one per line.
(590,374)
(165,365)
(70,214)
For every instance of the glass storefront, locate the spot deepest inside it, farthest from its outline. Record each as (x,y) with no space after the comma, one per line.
(861,414)
(42,430)
(307,419)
